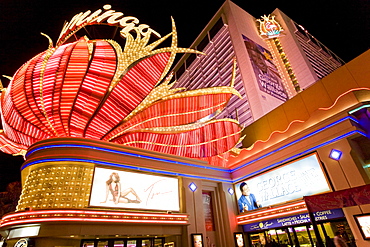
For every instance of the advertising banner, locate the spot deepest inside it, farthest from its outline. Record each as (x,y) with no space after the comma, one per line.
(294,220)
(268,78)
(289,182)
(208,211)
(122,189)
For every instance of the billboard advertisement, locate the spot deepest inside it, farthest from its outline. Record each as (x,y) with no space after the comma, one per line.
(123,189)
(302,177)
(268,78)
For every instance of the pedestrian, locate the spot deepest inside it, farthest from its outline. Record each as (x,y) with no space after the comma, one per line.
(339,241)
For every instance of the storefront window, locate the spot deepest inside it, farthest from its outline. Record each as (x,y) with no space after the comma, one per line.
(291,236)
(119,243)
(282,237)
(88,244)
(158,242)
(145,243)
(131,243)
(303,235)
(258,239)
(272,236)
(127,242)
(103,243)
(344,230)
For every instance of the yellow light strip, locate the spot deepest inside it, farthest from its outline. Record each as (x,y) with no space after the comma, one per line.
(178,146)
(169,115)
(202,91)
(336,100)
(287,65)
(182,128)
(48,54)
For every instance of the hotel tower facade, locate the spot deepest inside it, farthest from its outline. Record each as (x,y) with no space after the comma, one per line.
(264,137)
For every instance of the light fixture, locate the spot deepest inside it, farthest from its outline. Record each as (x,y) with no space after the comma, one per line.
(231,191)
(335,154)
(192,186)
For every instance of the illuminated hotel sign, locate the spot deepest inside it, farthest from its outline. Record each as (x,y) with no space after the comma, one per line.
(122,189)
(294,220)
(269,27)
(293,181)
(108,17)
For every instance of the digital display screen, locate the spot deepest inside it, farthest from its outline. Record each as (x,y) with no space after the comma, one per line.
(239,239)
(292,181)
(363,221)
(197,240)
(122,189)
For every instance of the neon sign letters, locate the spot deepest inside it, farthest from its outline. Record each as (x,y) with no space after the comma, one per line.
(108,17)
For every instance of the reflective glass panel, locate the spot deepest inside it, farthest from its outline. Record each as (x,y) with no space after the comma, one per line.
(119,243)
(131,243)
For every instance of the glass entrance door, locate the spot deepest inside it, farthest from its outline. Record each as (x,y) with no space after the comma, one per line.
(303,236)
(258,239)
(283,237)
(299,236)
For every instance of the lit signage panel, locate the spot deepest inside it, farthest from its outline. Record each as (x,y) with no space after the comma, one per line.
(122,189)
(23,232)
(239,239)
(295,180)
(269,27)
(267,75)
(197,240)
(294,220)
(363,221)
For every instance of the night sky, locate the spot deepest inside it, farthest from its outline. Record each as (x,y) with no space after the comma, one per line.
(342,25)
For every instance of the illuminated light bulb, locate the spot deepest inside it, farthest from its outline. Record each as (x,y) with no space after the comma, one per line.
(192,187)
(335,154)
(231,191)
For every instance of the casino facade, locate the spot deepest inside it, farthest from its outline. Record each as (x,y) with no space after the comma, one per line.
(116,155)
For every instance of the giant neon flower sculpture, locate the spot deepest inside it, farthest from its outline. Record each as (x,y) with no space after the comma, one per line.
(95,89)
